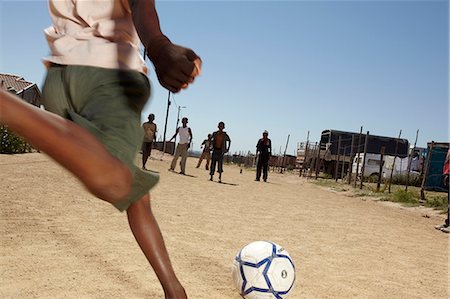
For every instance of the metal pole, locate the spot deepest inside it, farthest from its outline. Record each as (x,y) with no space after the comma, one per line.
(165,125)
(344,152)
(357,160)
(410,160)
(380,169)
(304,155)
(364,161)
(336,167)
(425,175)
(395,157)
(350,166)
(284,155)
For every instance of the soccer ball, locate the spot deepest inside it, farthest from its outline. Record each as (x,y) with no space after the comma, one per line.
(263,270)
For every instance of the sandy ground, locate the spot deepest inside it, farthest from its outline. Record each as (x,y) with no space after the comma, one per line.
(57,241)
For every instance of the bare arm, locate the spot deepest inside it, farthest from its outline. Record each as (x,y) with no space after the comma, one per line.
(174,135)
(270,147)
(229,143)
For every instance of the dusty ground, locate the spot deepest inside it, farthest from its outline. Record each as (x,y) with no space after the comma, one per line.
(57,241)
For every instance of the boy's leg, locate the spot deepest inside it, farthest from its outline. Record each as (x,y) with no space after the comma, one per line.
(175,157)
(212,168)
(68,144)
(220,164)
(208,159)
(145,153)
(258,169)
(265,170)
(184,155)
(220,167)
(200,159)
(148,235)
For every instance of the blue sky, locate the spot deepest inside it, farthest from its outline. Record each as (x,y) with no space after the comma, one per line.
(288,67)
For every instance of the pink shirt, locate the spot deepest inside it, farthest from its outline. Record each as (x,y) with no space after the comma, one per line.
(95,33)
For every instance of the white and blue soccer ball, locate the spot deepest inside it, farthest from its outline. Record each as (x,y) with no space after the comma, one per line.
(263,270)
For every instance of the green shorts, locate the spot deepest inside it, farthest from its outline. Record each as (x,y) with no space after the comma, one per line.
(108,103)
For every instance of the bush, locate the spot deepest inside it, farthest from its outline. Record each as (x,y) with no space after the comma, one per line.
(437,202)
(11,143)
(402,196)
(414,179)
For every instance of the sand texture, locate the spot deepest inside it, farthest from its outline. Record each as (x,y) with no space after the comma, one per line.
(58,241)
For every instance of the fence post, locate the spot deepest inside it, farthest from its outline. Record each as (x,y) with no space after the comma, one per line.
(395,157)
(304,159)
(344,151)
(381,168)
(338,158)
(410,160)
(364,160)
(427,166)
(318,160)
(359,151)
(311,166)
(351,161)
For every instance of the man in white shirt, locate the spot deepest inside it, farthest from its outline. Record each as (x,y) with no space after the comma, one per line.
(185,134)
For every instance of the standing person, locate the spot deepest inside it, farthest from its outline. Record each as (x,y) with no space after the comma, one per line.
(183,145)
(206,144)
(150,130)
(95,90)
(263,151)
(221,144)
(445,176)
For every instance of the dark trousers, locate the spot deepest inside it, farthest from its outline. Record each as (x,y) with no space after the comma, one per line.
(217,158)
(263,164)
(146,151)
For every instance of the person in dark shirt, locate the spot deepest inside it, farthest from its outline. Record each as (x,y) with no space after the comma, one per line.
(263,152)
(221,145)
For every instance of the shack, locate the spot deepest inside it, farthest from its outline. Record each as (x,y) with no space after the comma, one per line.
(433,179)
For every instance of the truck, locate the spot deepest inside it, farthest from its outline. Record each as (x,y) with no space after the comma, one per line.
(400,167)
(332,153)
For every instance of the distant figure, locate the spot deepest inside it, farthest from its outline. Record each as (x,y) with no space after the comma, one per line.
(264,149)
(149,136)
(445,175)
(183,145)
(206,144)
(221,144)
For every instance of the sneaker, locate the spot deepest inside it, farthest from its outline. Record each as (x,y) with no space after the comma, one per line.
(442,227)
(257,180)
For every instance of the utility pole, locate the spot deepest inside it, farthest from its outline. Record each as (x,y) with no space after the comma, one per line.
(178,115)
(165,125)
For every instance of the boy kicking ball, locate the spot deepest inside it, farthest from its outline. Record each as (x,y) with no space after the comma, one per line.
(95,90)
